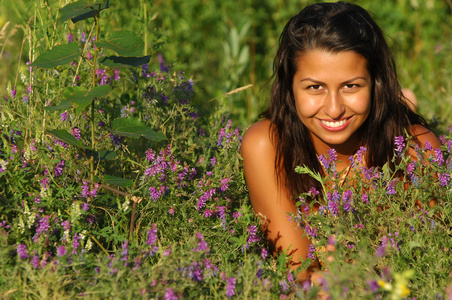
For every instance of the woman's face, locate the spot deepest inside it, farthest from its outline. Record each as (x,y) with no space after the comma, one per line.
(333,97)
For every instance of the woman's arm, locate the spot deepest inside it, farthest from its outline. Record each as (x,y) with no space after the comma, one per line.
(269,199)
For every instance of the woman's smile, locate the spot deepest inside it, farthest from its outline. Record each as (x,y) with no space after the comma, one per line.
(335,125)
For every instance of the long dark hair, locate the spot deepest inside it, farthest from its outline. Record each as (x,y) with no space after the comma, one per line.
(334,27)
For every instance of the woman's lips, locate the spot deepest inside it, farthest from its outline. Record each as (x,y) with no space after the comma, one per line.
(335,125)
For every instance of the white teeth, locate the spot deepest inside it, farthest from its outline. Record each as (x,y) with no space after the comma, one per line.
(334,124)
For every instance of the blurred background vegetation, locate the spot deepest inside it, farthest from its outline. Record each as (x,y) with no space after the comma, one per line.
(225,45)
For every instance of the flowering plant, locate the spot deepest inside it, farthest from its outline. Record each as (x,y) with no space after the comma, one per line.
(174,220)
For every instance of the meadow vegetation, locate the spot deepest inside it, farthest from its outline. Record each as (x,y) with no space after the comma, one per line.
(120,167)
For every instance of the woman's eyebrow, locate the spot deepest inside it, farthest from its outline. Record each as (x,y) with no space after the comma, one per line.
(356,78)
(311,79)
(321,82)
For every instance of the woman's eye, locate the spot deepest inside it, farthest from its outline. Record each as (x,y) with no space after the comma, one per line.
(315,87)
(351,86)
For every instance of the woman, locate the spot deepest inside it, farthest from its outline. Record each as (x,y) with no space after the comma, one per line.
(335,86)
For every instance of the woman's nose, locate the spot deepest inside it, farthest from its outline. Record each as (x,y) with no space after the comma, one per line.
(333,105)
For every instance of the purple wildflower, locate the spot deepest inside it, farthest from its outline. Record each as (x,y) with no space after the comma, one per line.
(35,261)
(196,272)
(230,286)
(145,71)
(264,253)
(365,198)
(333,155)
(59,169)
(169,295)
(164,68)
(116,140)
(22,251)
(4,225)
(310,231)
(284,285)
(444,178)
(346,200)
(66,225)
(43,225)
(124,112)
(428,146)
(333,200)
(83,37)
(224,184)
(85,206)
(439,159)
(381,251)
(449,146)
(75,243)
(152,235)
(306,285)
(70,38)
(373,285)
(313,192)
(253,237)
(410,168)
(76,133)
(203,199)
(325,163)
(85,190)
(125,251)
(13,92)
(63,116)
(167,252)
(399,143)
(209,266)
(311,251)
(390,188)
(116,76)
(45,183)
(236,215)
(25,99)
(156,194)
(202,244)
(61,251)
(207,213)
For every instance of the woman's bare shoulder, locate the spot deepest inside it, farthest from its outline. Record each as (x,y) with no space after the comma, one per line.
(258,139)
(424,135)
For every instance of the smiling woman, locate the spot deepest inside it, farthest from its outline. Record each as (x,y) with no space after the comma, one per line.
(335,87)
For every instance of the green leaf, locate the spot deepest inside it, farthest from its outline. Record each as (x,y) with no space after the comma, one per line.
(117,180)
(125,43)
(81,98)
(121,122)
(121,61)
(65,104)
(134,128)
(82,10)
(58,55)
(101,155)
(66,137)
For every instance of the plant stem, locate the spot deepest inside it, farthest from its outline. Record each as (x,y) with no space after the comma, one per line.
(93,142)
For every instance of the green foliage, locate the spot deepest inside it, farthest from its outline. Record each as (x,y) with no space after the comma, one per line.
(118,183)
